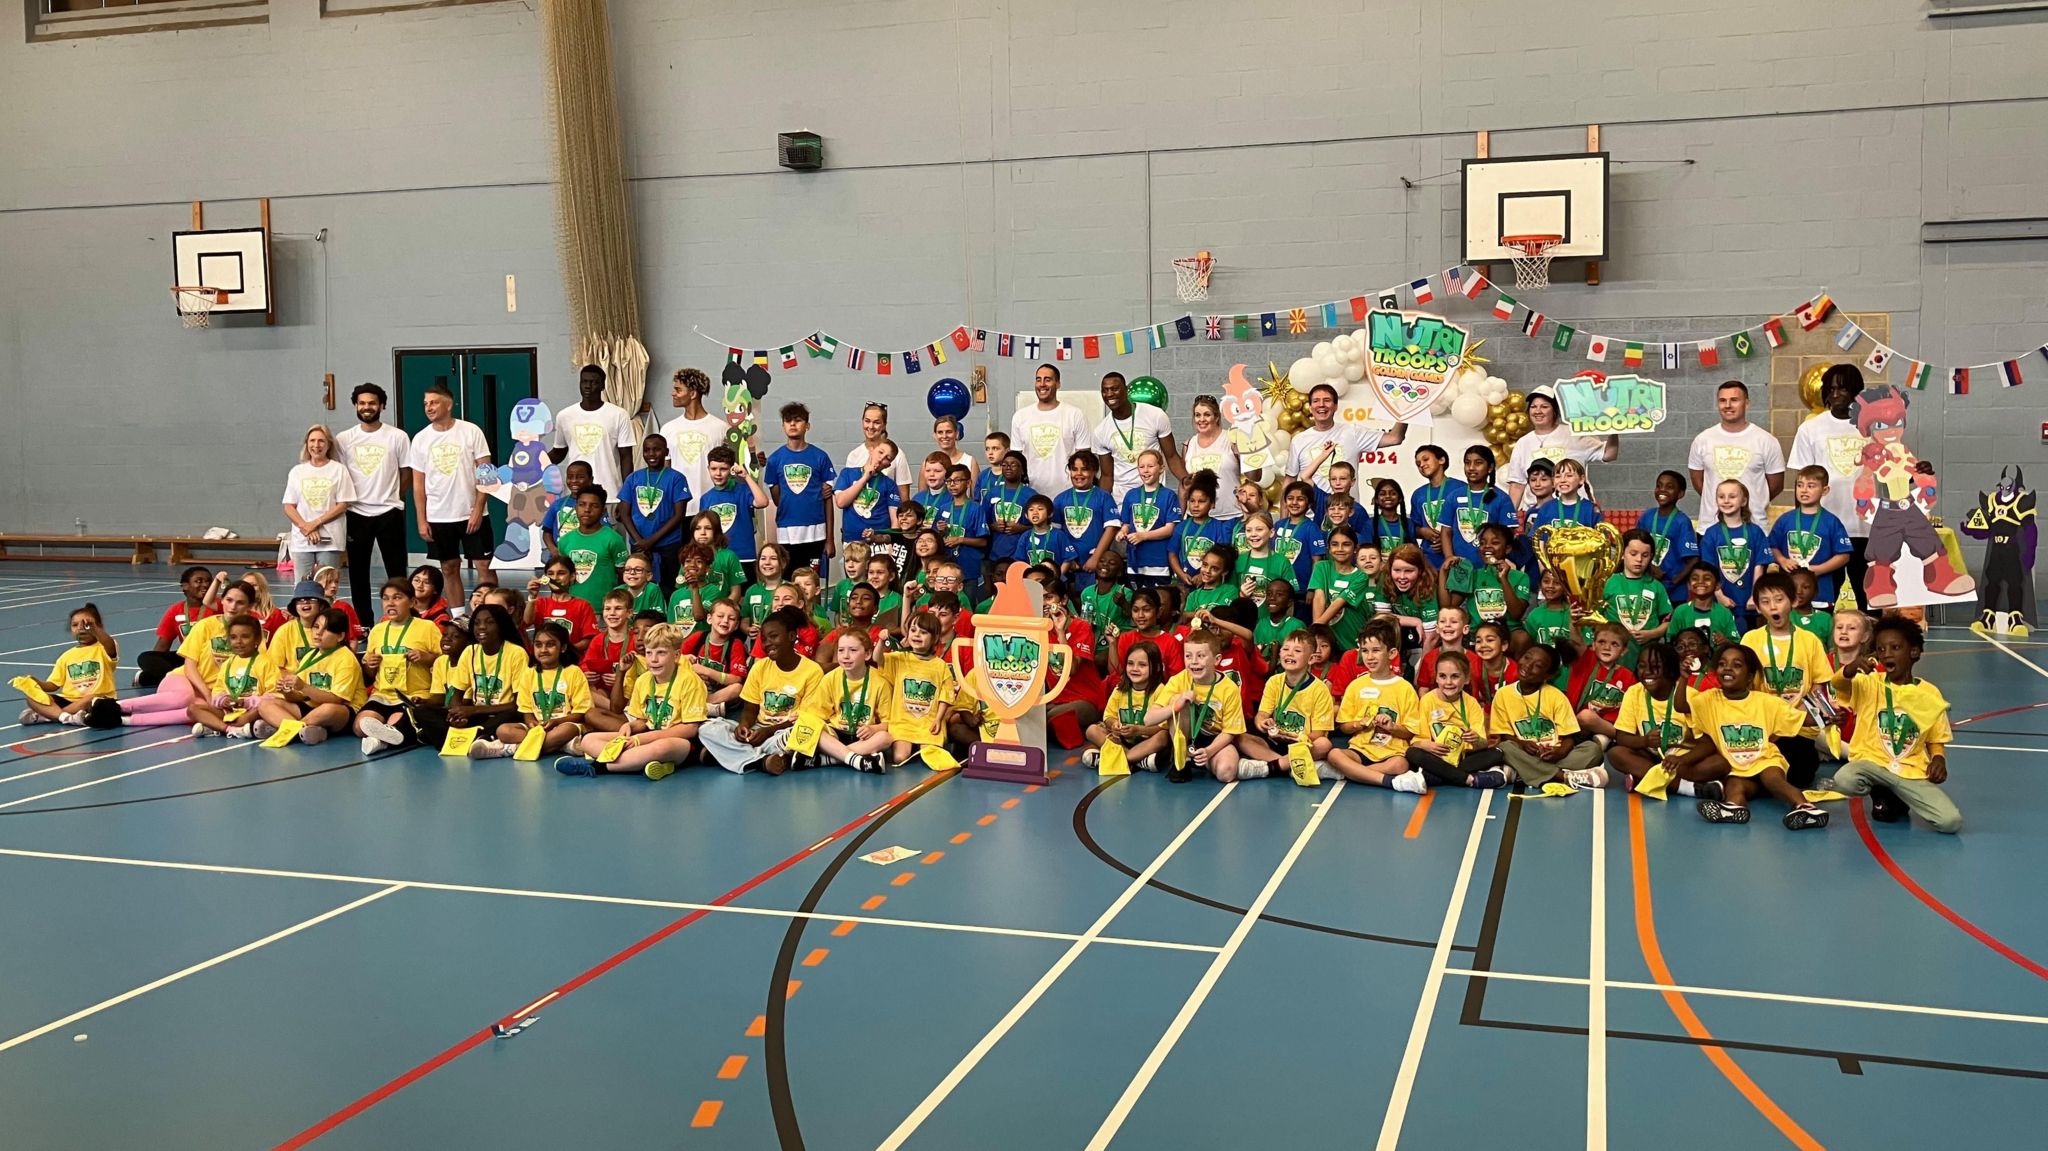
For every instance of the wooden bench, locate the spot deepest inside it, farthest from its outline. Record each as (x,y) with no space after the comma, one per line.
(60,548)
(185,549)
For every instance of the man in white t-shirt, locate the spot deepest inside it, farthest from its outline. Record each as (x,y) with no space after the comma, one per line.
(377,456)
(1048,433)
(444,458)
(1549,440)
(1736,449)
(596,432)
(1325,441)
(694,433)
(1126,432)
(1829,438)
(874,428)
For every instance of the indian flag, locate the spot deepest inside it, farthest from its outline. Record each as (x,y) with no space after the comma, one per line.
(1918,374)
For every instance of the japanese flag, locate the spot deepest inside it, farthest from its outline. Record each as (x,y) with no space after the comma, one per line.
(1596,349)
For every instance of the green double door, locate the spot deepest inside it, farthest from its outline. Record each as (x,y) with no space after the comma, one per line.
(486,382)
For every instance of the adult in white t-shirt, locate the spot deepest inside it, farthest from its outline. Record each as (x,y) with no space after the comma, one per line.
(377,456)
(451,513)
(598,433)
(1325,442)
(1048,433)
(1829,439)
(316,494)
(1213,449)
(1128,431)
(692,435)
(874,428)
(1549,440)
(1736,449)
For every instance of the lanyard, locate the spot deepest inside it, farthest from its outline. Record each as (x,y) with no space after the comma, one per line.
(1146,706)
(1576,516)
(1660,524)
(1130,440)
(476,668)
(1433,495)
(1287,695)
(668,694)
(1491,686)
(1383,527)
(1805,526)
(227,675)
(387,647)
(304,642)
(850,710)
(1601,679)
(1771,651)
(310,658)
(1663,727)
(1202,708)
(551,691)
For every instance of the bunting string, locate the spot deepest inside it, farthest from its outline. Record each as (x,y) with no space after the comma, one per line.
(1461,281)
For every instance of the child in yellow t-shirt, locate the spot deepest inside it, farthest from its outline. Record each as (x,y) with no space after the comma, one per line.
(79,676)
(1125,723)
(551,695)
(771,700)
(1650,731)
(664,716)
(322,688)
(484,681)
(1372,717)
(1296,708)
(1896,753)
(1795,664)
(1207,707)
(1446,727)
(851,701)
(1746,725)
(233,683)
(398,655)
(1537,729)
(922,688)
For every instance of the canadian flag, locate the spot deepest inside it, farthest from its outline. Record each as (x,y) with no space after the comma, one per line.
(1596,349)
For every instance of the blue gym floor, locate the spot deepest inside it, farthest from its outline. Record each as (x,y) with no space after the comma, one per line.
(211,945)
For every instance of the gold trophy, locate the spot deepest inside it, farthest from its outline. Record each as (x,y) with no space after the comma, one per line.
(1584,557)
(1013,647)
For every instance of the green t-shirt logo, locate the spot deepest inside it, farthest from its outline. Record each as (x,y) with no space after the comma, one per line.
(1633,609)
(1733,560)
(1490,600)
(1661,732)
(796,477)
(239,683)
(322,680)
(1743,740)
(1899,731)
(1008,511)
(1659,546)
(775,704)
(1145,516)
(1601,696)
(1288,547)
(1292,723)
(1785,681)
(1077,517)
(659,711)
(647,498)
(1470,520)
(1433,512)
(865,502)
(585,560)
(1194,547)
(1536,729)
(548,704)
(565,519)
(220,646)
(83,670)
(728,514)
(487,688)
(918,694)
(1802,546)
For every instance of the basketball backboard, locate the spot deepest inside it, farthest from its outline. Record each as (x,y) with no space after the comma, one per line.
(235,260)
(1563,195)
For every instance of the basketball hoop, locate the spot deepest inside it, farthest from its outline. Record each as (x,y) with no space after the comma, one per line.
(1191,277)
(1532,267)
(195,305)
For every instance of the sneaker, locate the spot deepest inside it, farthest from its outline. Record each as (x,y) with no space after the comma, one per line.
(775,764)
(1410,782)
(1182,772)
(1491,778)
(313,736)
(262,730)
(490,749)
(1149,763)
(382,732)
(1253,769)
(871,764)
(1715,811)
(201,731)
(372,745)
(29,718)
(241,731)
(1091,757)
(1805,816)
(71,718)
(1885,805)
(577,765)
(1710,790)
(658,770)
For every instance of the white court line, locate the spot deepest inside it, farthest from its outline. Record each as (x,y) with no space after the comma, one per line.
(1425,1007)
(196,968)
(980,1050)
(617,900)
(1769,996)
(91,758)
(2038,669)
(67,643)
(65,591)
(2000,747)
(1114,1121)
(232,745)
(97,594)
(1596,985)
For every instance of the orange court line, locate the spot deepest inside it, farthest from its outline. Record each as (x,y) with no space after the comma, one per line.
(845,928)
(933,857)
(961,838)
(1011,802)
(707,1113)
(902,879)
(1653,956)
(816,956)
(758,1027)
(734,1064)
(1421,813)
(873,902)
(1053,774)
(789,992)
(1029,788)
(985,820)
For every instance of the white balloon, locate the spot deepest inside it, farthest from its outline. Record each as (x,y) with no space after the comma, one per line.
(1354,372)
(1496,390)
(1302,375)
(1330,364)
(1343,344)
(1469,411)
(1442,404)
(1323,349)
(1359,336)
(1279,441)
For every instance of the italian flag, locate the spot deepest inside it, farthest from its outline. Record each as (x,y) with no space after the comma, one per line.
(1504,307)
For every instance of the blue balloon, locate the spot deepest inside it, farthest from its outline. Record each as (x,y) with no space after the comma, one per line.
(948,397)
(551,480)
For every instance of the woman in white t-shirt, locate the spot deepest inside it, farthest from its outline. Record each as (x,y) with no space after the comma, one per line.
(1549,440)
(1213,448)
(946,438)
(316,494)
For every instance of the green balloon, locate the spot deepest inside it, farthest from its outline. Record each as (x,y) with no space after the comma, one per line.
(1148,390)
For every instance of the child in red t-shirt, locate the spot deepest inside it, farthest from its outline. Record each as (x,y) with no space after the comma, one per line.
(1492,666)
(1599,679)
(552,600)
(718,655)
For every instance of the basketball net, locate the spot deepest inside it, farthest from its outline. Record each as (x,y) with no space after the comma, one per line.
(195,306)
(1191,277)
(1532,263)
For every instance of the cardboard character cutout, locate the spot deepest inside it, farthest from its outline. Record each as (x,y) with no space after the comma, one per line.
(1895,492)
(2004,520)
(526,484)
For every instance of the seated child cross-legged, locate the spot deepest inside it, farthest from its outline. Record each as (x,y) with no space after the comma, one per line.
(664,715)
(921,689)
(770,701)
(1448,745)
(1208,706)
(1124,717)
(1744,723)
(852,699)
(1296,708)
(1371,719)
(322,691)
(552,696)
(1648,731)
(1896,754)
(1537,727)
(234,683)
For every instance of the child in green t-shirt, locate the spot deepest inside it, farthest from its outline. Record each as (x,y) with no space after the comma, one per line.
(853,561)
(1500,590)
(1343,596)
(1703,609)
(1213,588)
(1259,562)
(1278,621)
(636,579)
(1106,605)
(1805,616)
(1549,619)
(1635,597)
(1408,594)
(595,547)
(757,601)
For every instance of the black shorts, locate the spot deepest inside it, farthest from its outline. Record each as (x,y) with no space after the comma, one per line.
(455,541)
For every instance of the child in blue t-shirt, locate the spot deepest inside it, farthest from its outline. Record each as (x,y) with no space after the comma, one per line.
(1810,536)
(1735,547)
(1196,532)
(799,478)
(1087,515)
(732,498)
(1569,504)
(1003,502)
(1676,543)
(867,496)
(1296,535)
(1151,512)
(962,525)
(1044,541)
(561,514)
(1479,504)
(1429,506)
(994,447)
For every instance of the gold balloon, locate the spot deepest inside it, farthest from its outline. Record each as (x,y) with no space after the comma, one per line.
(1809,387)
(1516,402)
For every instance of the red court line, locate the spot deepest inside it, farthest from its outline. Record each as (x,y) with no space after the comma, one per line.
(1906,881)
(478,1038)
(1999,712)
